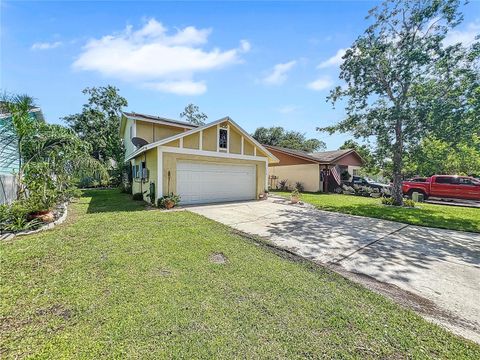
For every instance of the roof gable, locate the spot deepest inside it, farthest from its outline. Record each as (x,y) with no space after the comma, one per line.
(203,127)
(323,157)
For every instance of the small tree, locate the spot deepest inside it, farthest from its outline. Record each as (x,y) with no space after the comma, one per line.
(193,115)
(98,124)
(397,54)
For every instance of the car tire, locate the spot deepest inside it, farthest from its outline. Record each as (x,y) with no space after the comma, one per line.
(411,191)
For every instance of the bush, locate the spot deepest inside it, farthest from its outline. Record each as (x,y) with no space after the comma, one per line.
(296,193)
(282,185)
(388,201)
(15,217)
(125,188)
(137,196)
(408,203)
(165,200)
(299,186)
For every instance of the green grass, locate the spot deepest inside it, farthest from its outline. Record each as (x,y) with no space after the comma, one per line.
(119,281)
(439,216)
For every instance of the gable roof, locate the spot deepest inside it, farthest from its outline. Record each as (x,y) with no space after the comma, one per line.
(198,129)
(323,157)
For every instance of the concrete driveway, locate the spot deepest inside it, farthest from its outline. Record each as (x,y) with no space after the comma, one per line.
(441,266)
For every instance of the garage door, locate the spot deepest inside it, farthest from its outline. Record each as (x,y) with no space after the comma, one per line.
(202,182)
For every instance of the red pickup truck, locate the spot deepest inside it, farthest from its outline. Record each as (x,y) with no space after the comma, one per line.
(444,186)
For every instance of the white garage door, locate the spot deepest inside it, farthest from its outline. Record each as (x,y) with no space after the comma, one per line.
(202,182)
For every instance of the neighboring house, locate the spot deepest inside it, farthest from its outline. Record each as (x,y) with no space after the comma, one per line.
(9,156)
(215,162)
(313,170)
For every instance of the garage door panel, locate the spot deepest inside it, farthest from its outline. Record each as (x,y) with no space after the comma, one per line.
(202,182)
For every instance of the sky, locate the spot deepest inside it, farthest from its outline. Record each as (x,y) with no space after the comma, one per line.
(261,63)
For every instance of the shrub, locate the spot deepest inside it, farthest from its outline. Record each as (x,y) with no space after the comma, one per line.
(299,186)
(295,192)
(125,188)
(282,185)
(165,200)
(137,196)
(408,203)
(15,217)
(388,200)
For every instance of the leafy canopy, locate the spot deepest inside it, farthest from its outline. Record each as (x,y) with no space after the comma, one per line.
(278,136)
(397,57)
(193,115)
(98,123)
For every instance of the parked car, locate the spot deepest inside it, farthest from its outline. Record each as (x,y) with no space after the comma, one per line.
(445,186)
(361,181)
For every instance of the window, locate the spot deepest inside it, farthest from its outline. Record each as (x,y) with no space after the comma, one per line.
(465,181)
(356,172)
(446,180)
(223,138)
(131,132)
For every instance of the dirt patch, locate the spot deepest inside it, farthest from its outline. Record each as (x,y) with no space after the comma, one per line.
(218,258)
(57,310)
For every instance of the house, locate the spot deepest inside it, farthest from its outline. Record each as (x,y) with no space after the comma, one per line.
(313,170)
(215,162)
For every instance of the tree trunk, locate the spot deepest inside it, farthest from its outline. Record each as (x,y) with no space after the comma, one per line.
(397,193)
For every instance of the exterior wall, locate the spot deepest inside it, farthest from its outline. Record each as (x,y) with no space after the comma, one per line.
(288,159)
(235,141)
(210,139)
(192,141)
(174,143)
(154,132)
(170,166)
(248,148)
(143,186)
(307,174)
(127,141)
(350,160)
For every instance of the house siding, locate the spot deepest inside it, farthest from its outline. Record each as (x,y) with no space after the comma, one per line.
(307,174)
(143,186)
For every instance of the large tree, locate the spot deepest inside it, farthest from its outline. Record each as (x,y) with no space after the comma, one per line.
(397,57)
(278,136)
(98,124)
(193,115)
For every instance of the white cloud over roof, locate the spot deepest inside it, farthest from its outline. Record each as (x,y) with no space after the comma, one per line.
(157,59)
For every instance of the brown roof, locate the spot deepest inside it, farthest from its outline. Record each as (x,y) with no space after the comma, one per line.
(323,157)
(159,118)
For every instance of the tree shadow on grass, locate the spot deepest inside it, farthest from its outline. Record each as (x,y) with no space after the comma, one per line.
(111,200)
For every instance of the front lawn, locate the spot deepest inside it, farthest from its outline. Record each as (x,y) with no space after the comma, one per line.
(439,216)
(120,281)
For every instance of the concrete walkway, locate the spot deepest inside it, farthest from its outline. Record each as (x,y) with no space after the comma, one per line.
(441,266)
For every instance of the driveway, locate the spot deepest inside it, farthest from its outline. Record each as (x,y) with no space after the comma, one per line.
(441,266)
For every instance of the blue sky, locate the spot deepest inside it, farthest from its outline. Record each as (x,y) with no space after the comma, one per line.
(261,63)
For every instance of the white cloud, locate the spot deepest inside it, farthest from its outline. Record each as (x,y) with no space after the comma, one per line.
(185,87)
(46,45)
(287,109)
(465,37)
(156,59)
(320,84)
(278,75)
(335,60)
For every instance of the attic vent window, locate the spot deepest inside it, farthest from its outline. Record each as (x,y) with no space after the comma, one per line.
(223,138)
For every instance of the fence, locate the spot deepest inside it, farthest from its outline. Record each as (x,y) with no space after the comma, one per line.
(8,188)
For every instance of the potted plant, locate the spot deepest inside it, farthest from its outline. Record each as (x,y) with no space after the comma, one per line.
(41,206)
(295,196)
(169,201)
